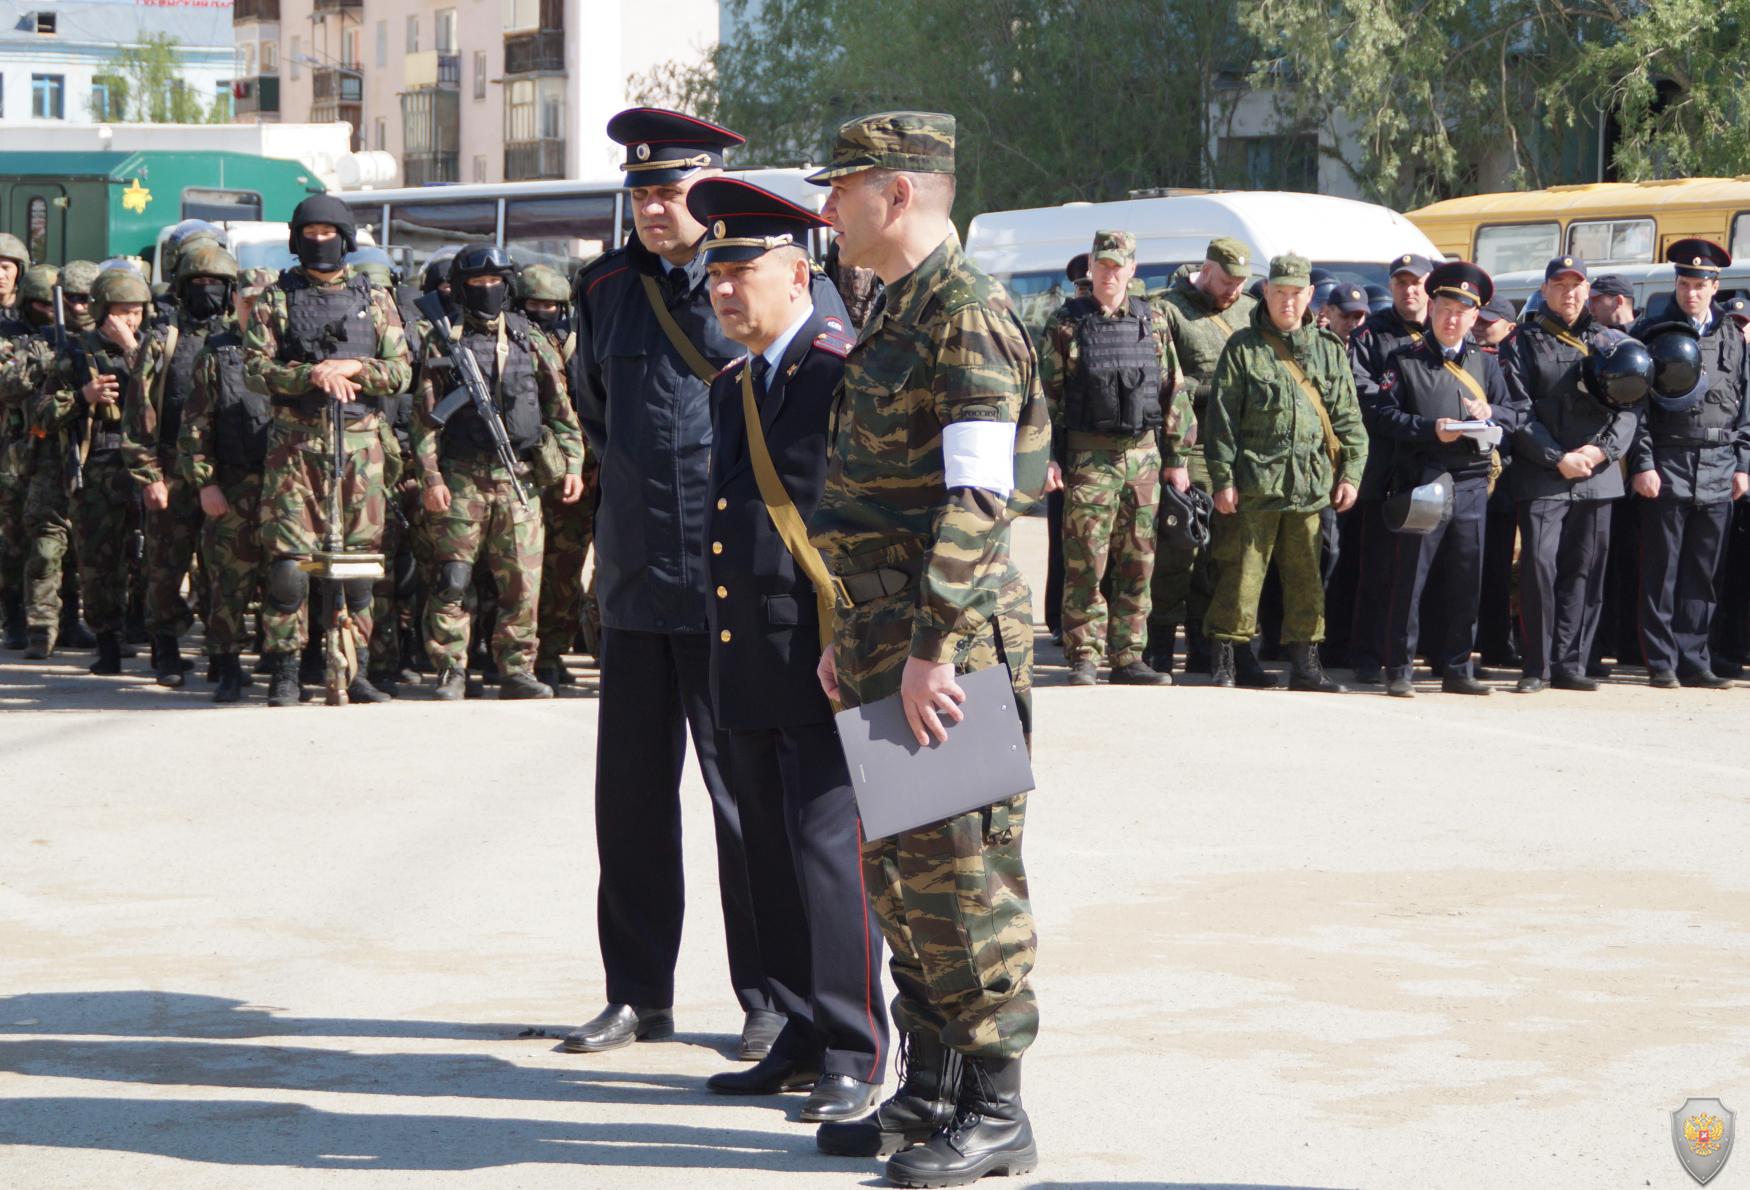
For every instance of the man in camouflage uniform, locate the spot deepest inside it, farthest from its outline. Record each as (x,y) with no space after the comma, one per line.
(1110,375)
(83,401)
(1285,441)
(940,439)
(477,516)
(16,325)
(205,277)
(1203,306)
(221,448)
(318,336)
(542,297)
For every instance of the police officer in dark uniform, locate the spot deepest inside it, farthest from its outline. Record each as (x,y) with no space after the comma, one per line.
(780,751)
(1445,378)
(1566,443)
(1370,347)
(1690,460)
(642,393)
(1497,635)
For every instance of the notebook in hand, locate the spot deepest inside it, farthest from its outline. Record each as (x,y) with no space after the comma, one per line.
(901,785)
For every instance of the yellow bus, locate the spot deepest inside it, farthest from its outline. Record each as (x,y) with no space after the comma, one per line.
(1603,223)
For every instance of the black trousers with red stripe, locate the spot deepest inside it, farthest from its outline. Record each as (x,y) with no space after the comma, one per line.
(1449,562)
(1681,548)
(819,946)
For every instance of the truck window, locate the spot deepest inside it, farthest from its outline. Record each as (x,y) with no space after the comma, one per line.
(218,206)
(1612,241)
(1515,247)
(562,231)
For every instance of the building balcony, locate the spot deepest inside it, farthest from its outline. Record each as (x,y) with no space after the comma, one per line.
(259,96)
(535,53)
(243,11)
(330,112)
(429,68)
(431,169)
(528,160)
(355,7)
(332,84)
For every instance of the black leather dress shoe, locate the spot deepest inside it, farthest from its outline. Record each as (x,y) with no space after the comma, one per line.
(1704,679)
(758,1031)
(1574,682)
(1461,684)
(1530,685)
(1400,688)
(769,1076)
(1663,679)
(618,1025)
(839,1097)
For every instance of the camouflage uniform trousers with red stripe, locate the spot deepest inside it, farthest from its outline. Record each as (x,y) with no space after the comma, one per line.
(951,898)
(231,550)
(487,528)
(172,533)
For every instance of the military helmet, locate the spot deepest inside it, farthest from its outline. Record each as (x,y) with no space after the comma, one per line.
(79,277)
(205,259)
(437,268)
(38,283)
(1676,379)
(1184,516)
(542,283)
(1621,373)
(481,260)
(380,276)
(181,238)
(1422,509)
(12,248)
(118,285)
(255,280)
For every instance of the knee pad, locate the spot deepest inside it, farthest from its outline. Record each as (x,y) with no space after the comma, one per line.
(453,579)
(287,585)
(358,595)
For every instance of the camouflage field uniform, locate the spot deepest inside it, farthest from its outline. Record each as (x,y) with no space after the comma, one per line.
(47,511)
(294,499)
(485,524)
(1111,486)
(14,444)
(570,529)
(1266,441)
(394,427)
(945,347)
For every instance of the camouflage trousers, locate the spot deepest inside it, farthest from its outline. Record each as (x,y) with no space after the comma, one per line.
(951,898)
(569,530)
(390,594)
(106,513)
(1184,579)
(48,530)
(1108,520)
(1243,544)
(486,525)
(231,549)
(14,494)
(172,533)
(294,510)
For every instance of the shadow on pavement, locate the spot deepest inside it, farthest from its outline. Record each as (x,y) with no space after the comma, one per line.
(253,1133)
(181,1014)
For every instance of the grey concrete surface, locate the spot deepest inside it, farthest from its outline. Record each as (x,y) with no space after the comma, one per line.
(1287,941)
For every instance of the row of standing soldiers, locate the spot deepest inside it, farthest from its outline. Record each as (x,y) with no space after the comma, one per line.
(185,448)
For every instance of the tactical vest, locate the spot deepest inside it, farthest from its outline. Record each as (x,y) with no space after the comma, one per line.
(1709,422)
(241,418)
(326,324)
(178,384)
(97,352)
(517,393)
(1116,385)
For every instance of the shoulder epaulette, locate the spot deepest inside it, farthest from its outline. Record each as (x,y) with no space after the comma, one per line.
(834,343)
(731,366)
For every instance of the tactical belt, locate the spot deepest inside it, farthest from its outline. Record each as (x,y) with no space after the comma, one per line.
(101,440)
(466,454)
(881,582)
(316,405)
(1710,436)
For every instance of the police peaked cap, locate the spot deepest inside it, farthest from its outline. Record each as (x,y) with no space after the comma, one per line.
(1696,257)
(324,208)
(664,147)
(743,221)
(1462,280)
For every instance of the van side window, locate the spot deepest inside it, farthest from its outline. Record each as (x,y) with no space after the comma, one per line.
(1740,235)
(1515,247)
(1612,241)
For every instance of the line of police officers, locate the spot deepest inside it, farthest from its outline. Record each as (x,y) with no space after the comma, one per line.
(1383,468)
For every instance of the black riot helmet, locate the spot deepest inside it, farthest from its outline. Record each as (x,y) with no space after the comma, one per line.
(437,268)
(1679,380)
(481,260)
(1184,516)
(1618,374)
(324,208)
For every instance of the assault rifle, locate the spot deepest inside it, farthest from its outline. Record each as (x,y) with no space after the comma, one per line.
(471,389)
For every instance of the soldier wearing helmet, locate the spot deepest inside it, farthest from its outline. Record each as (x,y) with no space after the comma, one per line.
(320,335)
(15,326)
(206,275)
(475,515)
(14,259)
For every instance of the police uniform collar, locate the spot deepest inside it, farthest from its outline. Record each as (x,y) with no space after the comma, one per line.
(660,266)
(907,296)
(774,352)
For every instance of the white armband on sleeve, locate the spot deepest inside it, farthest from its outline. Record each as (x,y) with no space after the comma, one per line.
(979,454)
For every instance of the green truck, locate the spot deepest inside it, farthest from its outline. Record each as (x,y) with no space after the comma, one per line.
(94,205)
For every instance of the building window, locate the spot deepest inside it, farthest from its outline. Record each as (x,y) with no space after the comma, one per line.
(552,109)
(479,168)
(349,48)
(519,111)
(521,14)
(480,74)
(48,96)
(45,23)
(36,219)
(413,34)
(270,57)
(382,133)
(100,109)
(382,43)
(222,101)
(446,31)
(296,57)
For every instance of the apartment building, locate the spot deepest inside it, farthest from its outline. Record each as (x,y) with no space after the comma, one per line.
(462,90)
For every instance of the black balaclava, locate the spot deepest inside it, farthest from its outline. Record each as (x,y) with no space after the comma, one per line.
(485,301)
(206,299)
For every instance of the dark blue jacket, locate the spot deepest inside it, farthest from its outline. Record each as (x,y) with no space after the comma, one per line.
(763,675)
(648,419)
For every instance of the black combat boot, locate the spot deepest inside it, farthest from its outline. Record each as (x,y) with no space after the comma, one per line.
(1307,674)
(167,660)
(229,667)
(523,684)
(1247,671)
(109,654)
(452,684)
(928,1088)
(40,642)
(364,690)
(16,631)
(990,1133)
(283,688)
(73,633)
(1199,650)
(313,663)
(1222,672)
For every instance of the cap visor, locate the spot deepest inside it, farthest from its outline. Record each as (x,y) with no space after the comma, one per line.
(823,176)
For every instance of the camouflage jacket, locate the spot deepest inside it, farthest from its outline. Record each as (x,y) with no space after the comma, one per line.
(565,345)
(1264,436)
(945,346)
(1060,357)
(143,416)
(24,366)
(1195,326)
(58,408)
(557,414)
(388,373)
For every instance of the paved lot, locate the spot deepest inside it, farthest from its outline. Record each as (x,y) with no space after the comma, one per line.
(1287,941)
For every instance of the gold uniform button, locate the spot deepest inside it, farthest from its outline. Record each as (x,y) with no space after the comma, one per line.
(724,636)
(723,592)
(716,547)
(722,504)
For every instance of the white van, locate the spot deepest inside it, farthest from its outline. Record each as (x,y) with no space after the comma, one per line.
(1027,250)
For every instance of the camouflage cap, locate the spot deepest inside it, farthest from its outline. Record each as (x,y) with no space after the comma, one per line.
(1290,269)
(917,142)
(255,280)
(1233,256)
(1119,247)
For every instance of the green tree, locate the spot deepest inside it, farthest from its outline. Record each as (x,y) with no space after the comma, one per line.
(145,87)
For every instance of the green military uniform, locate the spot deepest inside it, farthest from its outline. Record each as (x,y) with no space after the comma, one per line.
(1268,441)
(940,407)
(1183,578)
(1113,440)
(15,329)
